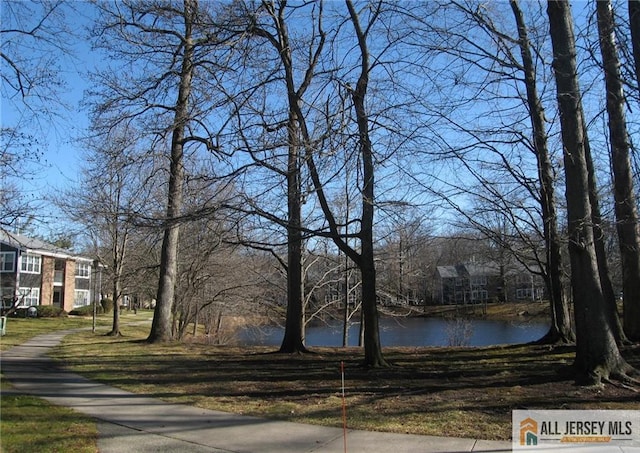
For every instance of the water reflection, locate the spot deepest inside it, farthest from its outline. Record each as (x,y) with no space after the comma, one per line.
(412,332)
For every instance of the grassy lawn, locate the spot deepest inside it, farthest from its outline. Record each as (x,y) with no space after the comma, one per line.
(30,424)
(19,330)
(466,392)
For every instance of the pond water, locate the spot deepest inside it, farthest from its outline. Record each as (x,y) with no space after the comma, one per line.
(412,332)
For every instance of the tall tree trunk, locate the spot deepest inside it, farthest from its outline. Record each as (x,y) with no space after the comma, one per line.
(365,259)
(601,254)
(294,325)
(372,348)
(624,195)
(161,326)
(560,330)
(118,249)
(597,354)
(345,311)
(117,296)
(293,340)
(115,326)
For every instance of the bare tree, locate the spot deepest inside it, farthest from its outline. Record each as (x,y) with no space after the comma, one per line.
(155,48)
(294,327)
(364,259)
(597,355)
(284,61)
(503,162)
(160,329)
(115,195)
(598,221)
(213,281)
(560,329)
(624,195)
(404,260)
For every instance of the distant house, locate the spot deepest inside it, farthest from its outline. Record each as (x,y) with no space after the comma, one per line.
(526,285)
(475,283)
(34,272)
(449,285)
(467,283)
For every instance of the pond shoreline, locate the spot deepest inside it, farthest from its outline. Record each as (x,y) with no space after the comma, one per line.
(515,312)
(402,329)
(508,311)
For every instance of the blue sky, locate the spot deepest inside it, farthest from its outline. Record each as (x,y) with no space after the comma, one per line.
(57,124)
(58,132)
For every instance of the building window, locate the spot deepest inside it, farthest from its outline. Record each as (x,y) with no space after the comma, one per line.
(479,280)
(83,270)
(524,293)
(480,294)
(81,298)
(30,264)
(29,297)
(7,261)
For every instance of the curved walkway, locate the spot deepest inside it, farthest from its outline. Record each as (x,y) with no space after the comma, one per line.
(130,422)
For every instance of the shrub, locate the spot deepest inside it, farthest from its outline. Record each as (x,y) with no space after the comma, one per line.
(50,311)
(459,332)
(87,310)
(43,311)
(107,305)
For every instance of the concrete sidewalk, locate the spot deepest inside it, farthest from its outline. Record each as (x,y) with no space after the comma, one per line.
(129,422)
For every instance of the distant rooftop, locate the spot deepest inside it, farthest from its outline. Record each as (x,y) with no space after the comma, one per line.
(470,269)
(33,245)
(447,271)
